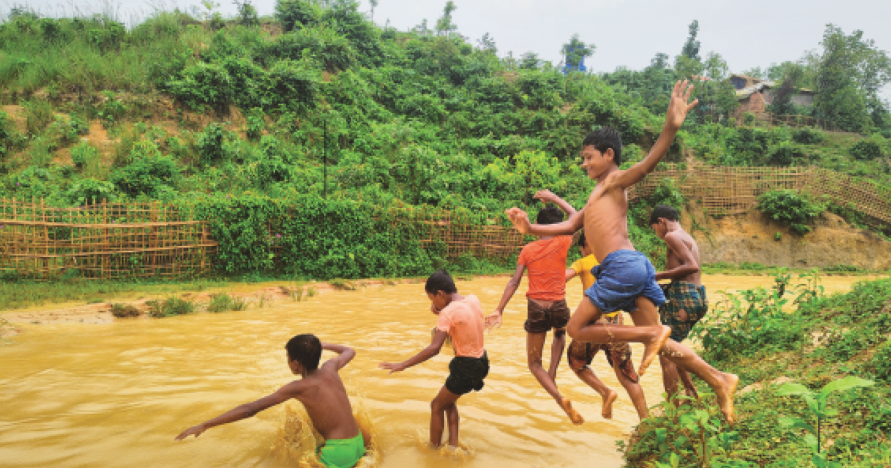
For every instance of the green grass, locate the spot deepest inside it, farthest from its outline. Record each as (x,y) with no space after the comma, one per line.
(170,307)
(24,294)
(223,302)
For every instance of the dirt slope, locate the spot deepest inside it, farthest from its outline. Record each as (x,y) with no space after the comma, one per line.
(753,238)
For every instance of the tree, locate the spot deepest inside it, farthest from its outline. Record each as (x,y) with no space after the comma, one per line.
(850,74)
(374,4)
(247,14)
(487,44)
(575,51)
(782,98)
(445,26)
(530,61)
(691,47)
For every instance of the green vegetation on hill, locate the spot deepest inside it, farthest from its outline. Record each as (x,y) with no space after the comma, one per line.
(824,340)
(319,106)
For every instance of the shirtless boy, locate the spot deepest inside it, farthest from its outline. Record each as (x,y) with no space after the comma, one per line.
(322,394)
(547,309)
(461,318)
(685,300)
(626,280)
(618,354)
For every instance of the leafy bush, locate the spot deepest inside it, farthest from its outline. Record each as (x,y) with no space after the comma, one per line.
(210,143)
(784,154)
(296,14)
(869,148)
(881,362)
(148,172)
(90,191)
(38,114)
(204,84)
(124,311)
(83,154)
(223,302)
(808,136)
(790,208)
(170,307)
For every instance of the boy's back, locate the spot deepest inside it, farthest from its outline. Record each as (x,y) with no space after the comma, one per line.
(546,261)
(463,321)
(327,404)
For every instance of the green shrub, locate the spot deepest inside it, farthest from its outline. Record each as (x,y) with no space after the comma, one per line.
(790,208)
(170,307)
(38,114)
(204,84)
(667,193)
(90,191)
(210,143)
(869,148)
(256,123)
(83,154)
(296,14)
(223,302)
(881,362)
(147,174)
(808,136)
(784,154)
(124,311)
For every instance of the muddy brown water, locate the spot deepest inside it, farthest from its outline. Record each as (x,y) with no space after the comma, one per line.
(116,394)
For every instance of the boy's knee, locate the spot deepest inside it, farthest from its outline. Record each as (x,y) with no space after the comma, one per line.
(572,329)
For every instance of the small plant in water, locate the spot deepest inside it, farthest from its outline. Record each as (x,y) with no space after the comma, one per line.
(223,302)
(816,405)
(124,310)
(170,307)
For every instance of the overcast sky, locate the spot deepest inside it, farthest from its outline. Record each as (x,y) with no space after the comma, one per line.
(752,33)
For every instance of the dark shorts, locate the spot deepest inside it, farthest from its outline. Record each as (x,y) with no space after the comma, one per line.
(467,373)
(542,320)
(686,304)
(619,352)
(624,276)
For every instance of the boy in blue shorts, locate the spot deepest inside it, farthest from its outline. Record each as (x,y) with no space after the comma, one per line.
(626,280)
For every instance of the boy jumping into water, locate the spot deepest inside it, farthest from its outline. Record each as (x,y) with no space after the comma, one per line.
(685,300)
(626,280)
(547,309)
(618,354)
(323,395)
(461,318)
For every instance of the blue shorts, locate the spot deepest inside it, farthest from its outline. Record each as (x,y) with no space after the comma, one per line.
(624,276)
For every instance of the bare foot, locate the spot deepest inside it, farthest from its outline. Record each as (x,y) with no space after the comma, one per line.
(725,396)
(651,350)
(608,405)
(573,414)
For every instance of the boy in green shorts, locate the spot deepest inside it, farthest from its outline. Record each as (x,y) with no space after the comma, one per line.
(685,300)
(618,354)
(461,318)
(323,395)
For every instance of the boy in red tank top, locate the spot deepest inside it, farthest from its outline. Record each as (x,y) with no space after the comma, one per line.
(547,310)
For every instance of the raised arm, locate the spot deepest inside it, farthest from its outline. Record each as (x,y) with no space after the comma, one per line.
(494,320)
(547,196)
(674,117)
(439,338)
(570,274)
(247,410)
(520,220)
(345,354)
(688,265)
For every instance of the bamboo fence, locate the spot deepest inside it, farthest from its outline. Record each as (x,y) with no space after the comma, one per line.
(102,241)
(460,238)
(734,190)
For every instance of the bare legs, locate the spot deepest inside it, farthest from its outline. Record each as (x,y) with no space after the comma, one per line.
(585,374)
(557,348)
(534,346)
(647,329)
(441,408)
(670,376)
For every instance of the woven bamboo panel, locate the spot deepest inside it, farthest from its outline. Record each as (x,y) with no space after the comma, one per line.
(481,241)
(102,241)
(734,190)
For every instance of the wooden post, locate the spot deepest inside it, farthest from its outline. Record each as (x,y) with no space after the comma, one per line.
(104,245)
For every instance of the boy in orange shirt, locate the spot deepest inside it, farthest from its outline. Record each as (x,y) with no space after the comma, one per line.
(461,319)
(547,309)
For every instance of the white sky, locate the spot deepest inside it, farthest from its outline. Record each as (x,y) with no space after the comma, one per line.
(747,34)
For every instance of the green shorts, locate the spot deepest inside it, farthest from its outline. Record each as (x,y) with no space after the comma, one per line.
(342,453)
(685,305)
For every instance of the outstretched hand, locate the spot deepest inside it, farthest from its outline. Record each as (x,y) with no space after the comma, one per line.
(678,107)
(392,367)
(493,321)
(519,219)
(194,430)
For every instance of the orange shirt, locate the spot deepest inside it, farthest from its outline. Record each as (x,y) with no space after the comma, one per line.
(463,321)
(546,262)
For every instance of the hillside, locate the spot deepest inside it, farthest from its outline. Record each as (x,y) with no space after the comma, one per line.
(321,102)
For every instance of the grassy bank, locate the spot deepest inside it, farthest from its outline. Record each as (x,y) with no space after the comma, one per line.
(825,340)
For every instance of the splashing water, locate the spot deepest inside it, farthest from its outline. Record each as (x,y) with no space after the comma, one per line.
(297,440)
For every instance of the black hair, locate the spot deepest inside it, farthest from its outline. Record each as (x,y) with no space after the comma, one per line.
(603,139)
(549,214)
(582,243)
(305,349)
(663,211)
(440,281)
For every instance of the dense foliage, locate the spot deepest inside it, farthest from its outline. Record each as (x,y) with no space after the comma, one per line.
(823,340)
(321,102)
